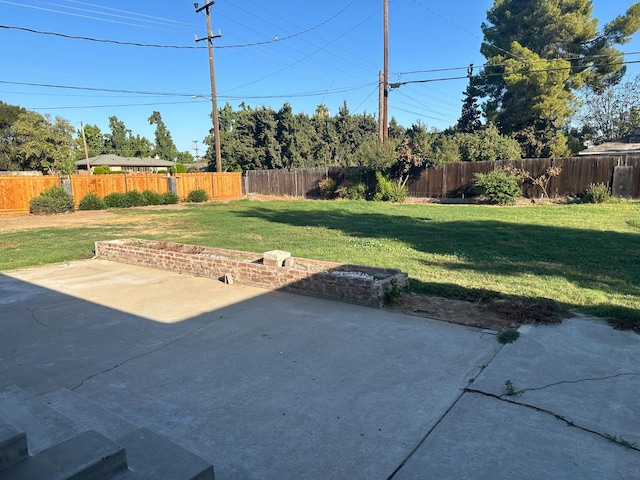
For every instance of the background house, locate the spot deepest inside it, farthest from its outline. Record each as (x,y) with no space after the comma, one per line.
(126,164)
(626,145)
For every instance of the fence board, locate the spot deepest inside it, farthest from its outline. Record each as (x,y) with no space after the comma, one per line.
(227,186)
(100,185)
(17,191)
(149,181)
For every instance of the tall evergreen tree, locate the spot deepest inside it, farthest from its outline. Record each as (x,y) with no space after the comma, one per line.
(539,52)
(164,146)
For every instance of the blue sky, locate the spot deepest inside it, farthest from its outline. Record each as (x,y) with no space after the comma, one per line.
(325,52)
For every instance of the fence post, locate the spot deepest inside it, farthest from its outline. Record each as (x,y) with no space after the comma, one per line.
(172,185)
(66,185)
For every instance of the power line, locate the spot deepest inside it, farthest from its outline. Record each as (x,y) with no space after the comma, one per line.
(100,40)
(504,74)
(177,94)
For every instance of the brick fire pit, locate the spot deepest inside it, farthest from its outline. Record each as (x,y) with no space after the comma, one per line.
(276,269)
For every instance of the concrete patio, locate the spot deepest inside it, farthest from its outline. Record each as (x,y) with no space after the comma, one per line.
(269,385)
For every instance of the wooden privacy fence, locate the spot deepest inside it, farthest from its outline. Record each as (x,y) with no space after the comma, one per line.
(456,180)
(17,191)
(219,186)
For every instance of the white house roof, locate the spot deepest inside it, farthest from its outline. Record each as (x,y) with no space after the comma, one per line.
(118,161)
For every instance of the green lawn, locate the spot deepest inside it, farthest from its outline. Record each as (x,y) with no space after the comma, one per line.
(585,257)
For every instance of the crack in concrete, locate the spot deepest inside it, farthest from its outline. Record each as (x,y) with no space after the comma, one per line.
(612,438)
(442,417)
(36,319)
(144,354)
(563,382)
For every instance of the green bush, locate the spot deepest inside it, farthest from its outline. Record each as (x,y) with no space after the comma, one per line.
(597,193)
(170,198)
(327,188)
(133,198)
(197,196)
(388,191)
(115,200)
(52,200)
(352,190)
(101,169)
(152,198)
(178,168)
(499,186)
(91,201)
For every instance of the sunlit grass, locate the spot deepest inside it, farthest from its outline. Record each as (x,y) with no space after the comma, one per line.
(586,257)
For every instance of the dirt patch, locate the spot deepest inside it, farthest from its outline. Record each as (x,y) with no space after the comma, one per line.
(452,311)
(79,218)
(497,314)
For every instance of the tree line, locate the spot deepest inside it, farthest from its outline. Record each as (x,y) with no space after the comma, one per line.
(30,141)
(552,82)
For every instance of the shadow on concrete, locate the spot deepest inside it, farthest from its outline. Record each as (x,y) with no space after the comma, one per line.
(256,382)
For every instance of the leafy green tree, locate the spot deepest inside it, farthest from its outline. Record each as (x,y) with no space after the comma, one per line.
(376,155)
(184,157)
(164,146)
(44,144)
(539,52)
(95,142)
(122,142)
(118,141)
(8,116)
(487,145)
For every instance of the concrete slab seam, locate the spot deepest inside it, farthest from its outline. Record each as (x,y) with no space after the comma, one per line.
(607,436)
(144,354)
(442,417)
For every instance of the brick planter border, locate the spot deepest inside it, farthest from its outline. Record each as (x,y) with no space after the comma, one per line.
(336,281)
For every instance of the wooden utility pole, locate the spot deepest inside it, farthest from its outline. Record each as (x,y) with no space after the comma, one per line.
(86,150)
(385,75)
(380,106)
(214,100)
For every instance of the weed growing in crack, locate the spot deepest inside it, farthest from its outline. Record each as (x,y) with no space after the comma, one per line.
(392,293)
(508,336)
(510,390)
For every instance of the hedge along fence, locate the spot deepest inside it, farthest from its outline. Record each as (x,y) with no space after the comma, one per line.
(17,191)
(456,180)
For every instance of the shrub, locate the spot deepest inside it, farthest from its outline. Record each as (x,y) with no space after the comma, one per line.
(178,168)
(152,198)
(499,186)
(597,193)
(388,191)
(91,201)
(115,200)
(170,198)
(352,190)
(197,196)
(327,188)
(133,198)
(52,200)
(101,169)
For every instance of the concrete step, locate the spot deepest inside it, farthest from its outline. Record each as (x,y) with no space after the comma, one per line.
(13,445)
(87,456)
(88,414)
(44,426)
(155,457)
